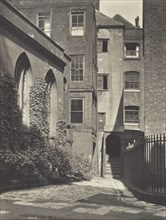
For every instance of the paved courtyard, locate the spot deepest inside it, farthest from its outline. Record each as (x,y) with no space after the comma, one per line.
(100,198)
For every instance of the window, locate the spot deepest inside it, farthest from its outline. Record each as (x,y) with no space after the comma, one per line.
(101,121)
(102,82)
(44,22)
(132,114)
(131,50)
(77,65)
(53,102)
(132,80)
(23,76)
(76,110)
(77,23)
(102,46)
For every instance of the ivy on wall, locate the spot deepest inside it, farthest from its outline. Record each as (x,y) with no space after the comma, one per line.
(26,155)
(10,116)
(64,130)
(39,108)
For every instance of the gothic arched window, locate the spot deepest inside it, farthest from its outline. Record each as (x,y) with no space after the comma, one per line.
(23,76)
(53,102)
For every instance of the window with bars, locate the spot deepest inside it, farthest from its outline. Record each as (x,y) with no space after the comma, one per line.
(132,80)
(77,68)
(102,46)
(131,50)
(76,111)
(44,22)
(102,82)
(77,23)
(132,114)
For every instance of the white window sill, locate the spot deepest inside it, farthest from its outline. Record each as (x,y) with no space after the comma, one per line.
(131,126)
(132,90)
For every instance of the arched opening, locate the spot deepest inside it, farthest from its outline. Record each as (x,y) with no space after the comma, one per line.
(53,101)
(23,77)
(113,145)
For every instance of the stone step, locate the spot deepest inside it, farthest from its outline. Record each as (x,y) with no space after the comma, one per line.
(112,168)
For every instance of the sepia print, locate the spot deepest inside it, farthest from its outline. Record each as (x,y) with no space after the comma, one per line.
(83,109)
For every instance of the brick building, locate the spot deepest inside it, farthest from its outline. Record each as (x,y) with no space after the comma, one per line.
(120,84)
(154,17)
(26,54)
(73,25)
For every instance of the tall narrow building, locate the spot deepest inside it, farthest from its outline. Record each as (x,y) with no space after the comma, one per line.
(120,85)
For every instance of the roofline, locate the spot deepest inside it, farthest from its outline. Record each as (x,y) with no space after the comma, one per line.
(33,25)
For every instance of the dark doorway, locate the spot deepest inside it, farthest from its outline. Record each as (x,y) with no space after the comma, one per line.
(113,145)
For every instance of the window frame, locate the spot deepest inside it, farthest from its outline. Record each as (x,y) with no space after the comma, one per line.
(102,75)
(130,74)
(50,18)
(80,12)
(132,109)
(77,123)
(100,45)
(83,68)
(137,50)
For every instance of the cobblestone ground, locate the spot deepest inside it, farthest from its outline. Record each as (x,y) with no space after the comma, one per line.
(100,198)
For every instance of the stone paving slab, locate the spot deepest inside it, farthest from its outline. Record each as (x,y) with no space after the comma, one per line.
(95,199)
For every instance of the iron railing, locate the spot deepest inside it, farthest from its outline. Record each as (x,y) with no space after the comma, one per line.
(155,163)
(144,164)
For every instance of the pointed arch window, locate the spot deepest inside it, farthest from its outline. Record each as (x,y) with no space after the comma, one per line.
(23,76)
(53,102)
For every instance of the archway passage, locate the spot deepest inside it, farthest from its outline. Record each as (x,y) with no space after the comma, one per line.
(113,151)
(113,145)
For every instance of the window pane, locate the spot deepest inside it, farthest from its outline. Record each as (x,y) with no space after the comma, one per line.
(132,50)
(105,46)
(132,114)
(74,20)
(99,82)
(76,117)
(44,22)
(105,83)
(99,46)
(76,111)
(77,68)
(131,80)
(77,26)
(102,82)
(76,105)
(80,19)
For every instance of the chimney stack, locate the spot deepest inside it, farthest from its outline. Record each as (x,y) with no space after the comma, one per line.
(137,21)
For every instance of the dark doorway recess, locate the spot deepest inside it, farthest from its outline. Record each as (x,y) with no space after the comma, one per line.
(113,145)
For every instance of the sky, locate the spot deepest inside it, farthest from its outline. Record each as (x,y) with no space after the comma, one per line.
(129,9)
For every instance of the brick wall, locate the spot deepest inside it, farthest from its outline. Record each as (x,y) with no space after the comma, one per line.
(155,65)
